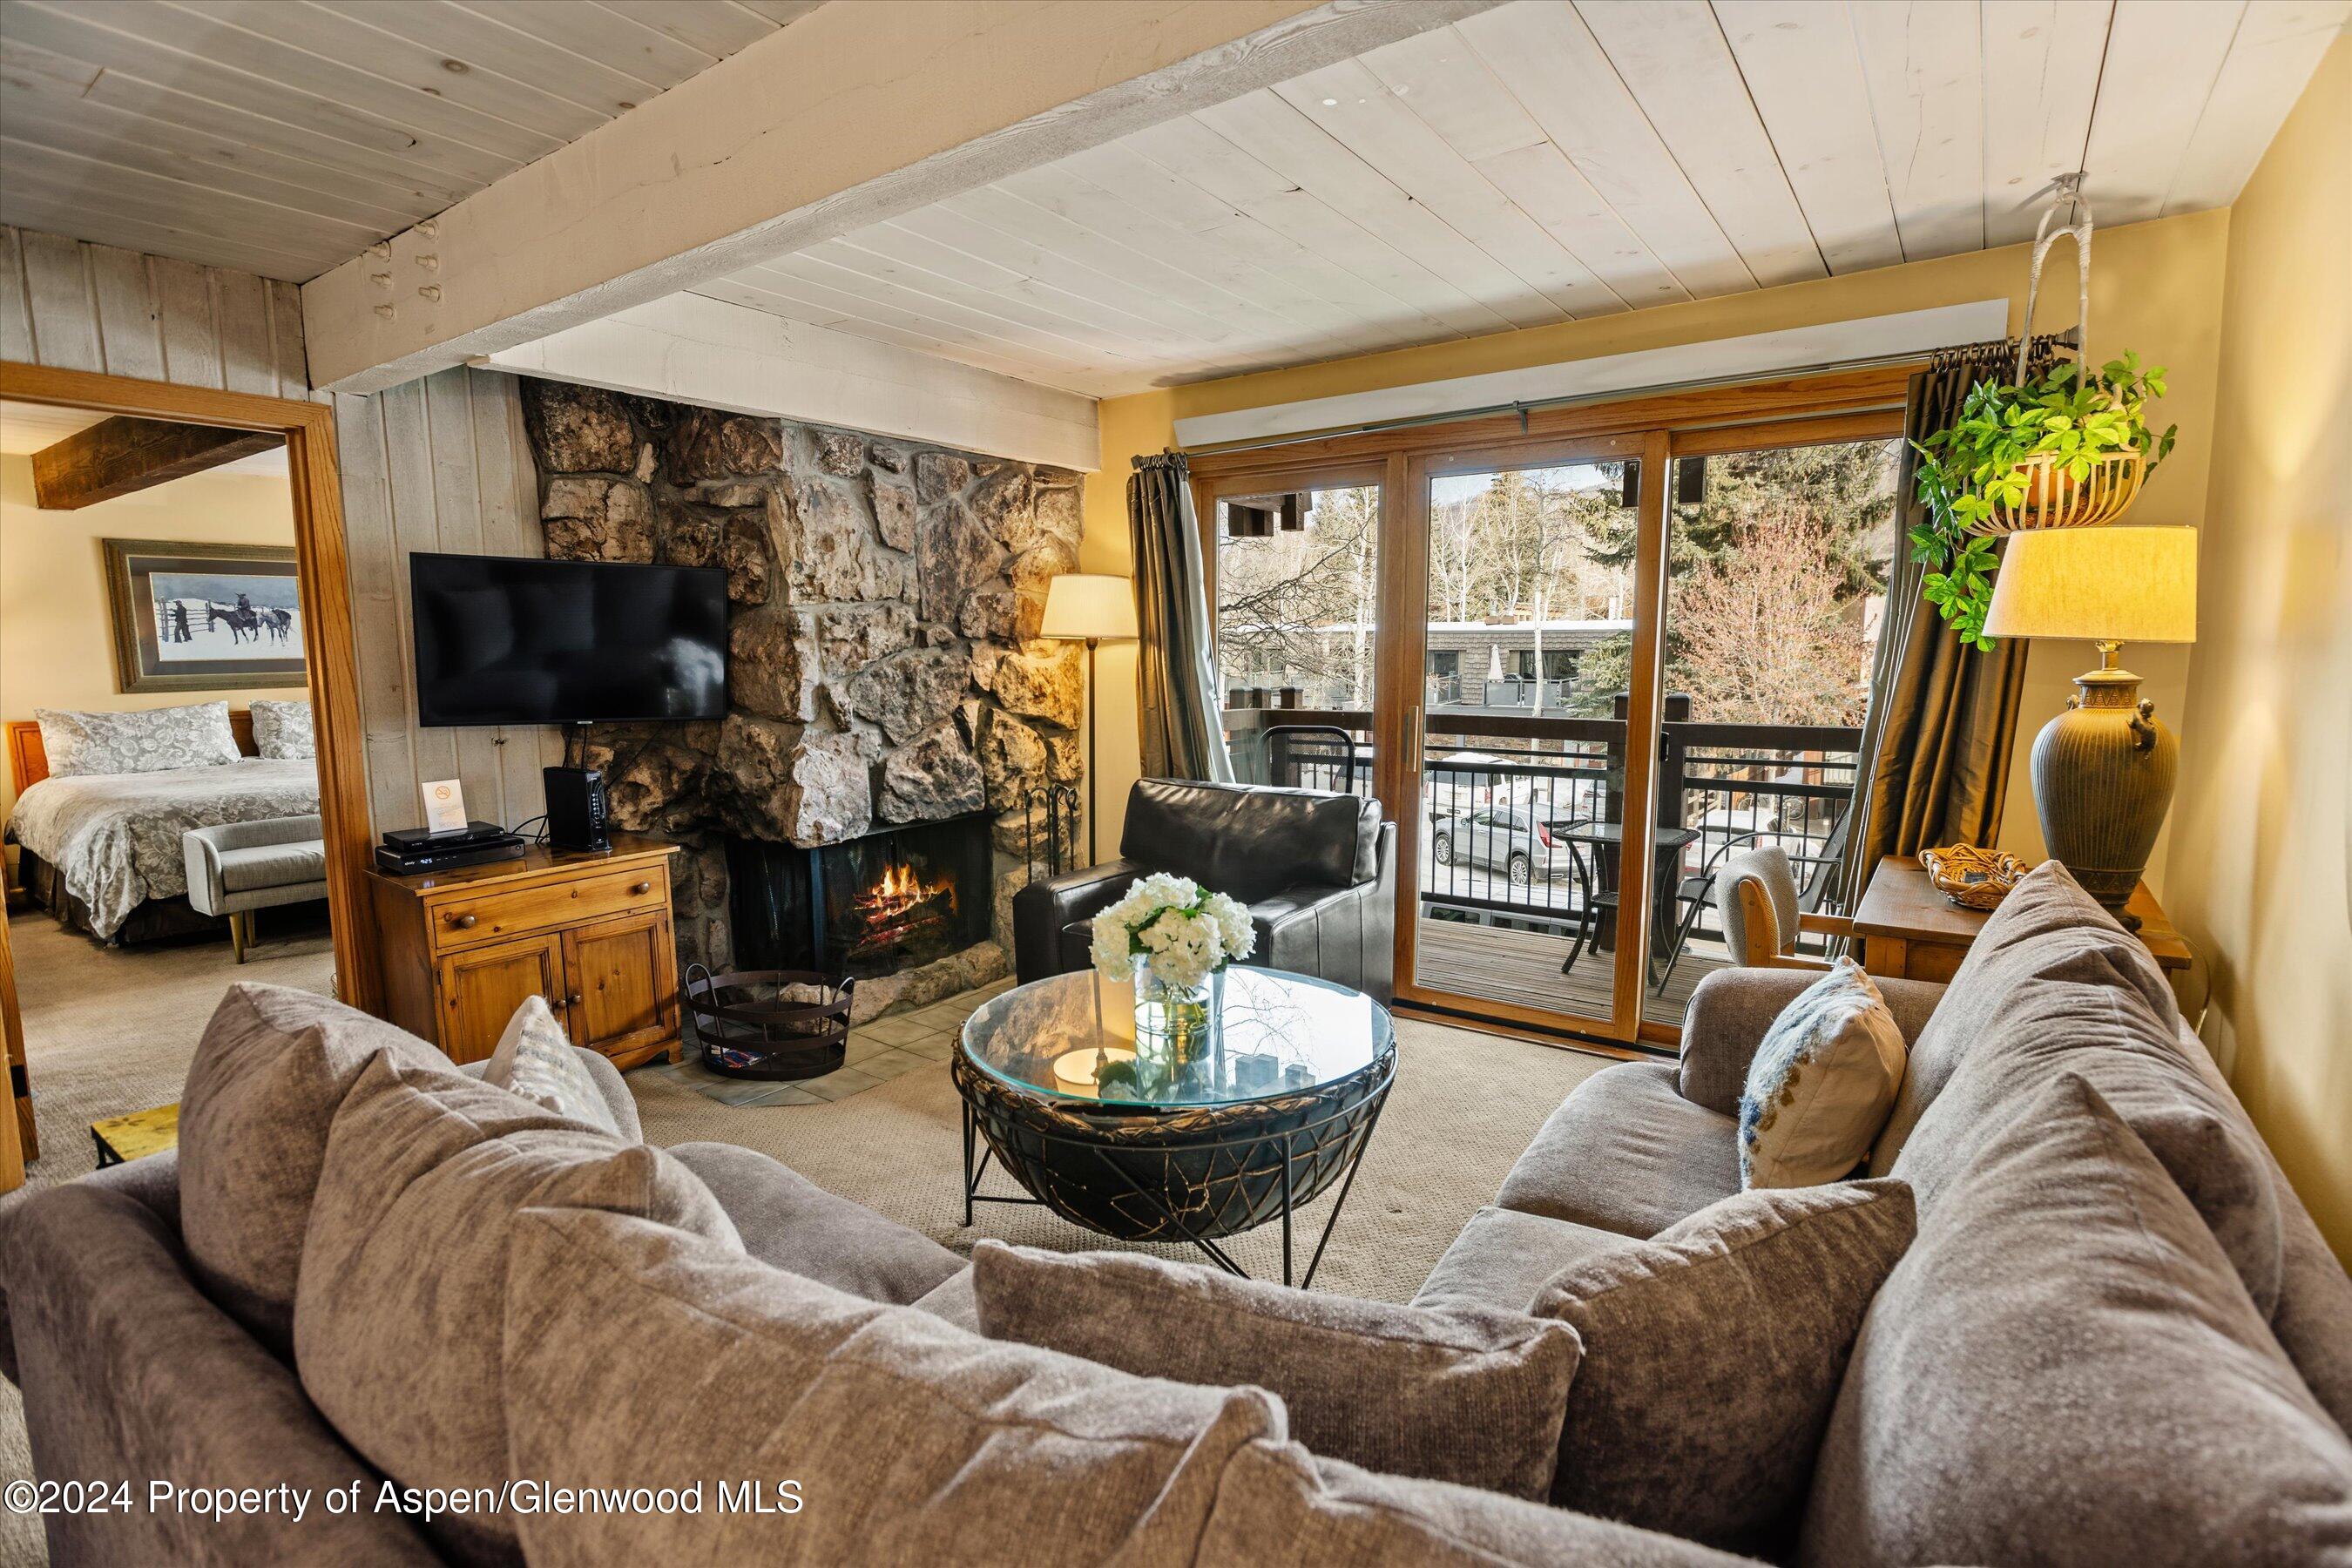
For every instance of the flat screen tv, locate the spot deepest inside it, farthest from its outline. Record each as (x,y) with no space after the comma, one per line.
(507,640)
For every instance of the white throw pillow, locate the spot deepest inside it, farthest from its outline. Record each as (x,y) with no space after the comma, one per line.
(535,1060)
(1823,1084)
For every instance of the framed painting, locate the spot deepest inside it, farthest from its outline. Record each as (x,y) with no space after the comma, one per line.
(204,618)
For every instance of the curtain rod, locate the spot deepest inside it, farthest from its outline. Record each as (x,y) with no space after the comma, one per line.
(1992,348)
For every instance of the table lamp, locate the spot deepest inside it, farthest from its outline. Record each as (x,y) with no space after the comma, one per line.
(2103,770)
(1090,607)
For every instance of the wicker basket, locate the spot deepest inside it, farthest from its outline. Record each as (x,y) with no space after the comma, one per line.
(1971,878)
(2055,498)
(768,1022)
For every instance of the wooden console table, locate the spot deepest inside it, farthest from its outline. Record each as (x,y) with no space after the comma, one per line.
(590,931)
(1910,931)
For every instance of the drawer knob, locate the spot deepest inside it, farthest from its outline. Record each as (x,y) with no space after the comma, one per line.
(642,887)
(572,1000)
(463,922)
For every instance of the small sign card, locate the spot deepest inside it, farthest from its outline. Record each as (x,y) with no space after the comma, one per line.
(445,806)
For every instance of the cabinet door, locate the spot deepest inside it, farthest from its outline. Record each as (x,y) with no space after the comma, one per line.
(623,976)
(481,988)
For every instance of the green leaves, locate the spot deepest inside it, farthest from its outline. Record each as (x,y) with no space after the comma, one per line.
(2070,415)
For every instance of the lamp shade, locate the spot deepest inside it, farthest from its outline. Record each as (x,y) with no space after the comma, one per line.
(1088,605)
(2097,584)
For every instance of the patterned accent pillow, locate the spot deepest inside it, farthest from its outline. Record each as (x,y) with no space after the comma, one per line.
(1821,1084)
(282,730)
(535,1060)
(149,741)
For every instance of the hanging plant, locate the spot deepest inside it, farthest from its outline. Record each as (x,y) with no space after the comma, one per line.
(2068,447)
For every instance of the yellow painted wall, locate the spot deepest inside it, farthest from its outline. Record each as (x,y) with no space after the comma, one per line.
(56,646)
(2156,287)
(2261,878)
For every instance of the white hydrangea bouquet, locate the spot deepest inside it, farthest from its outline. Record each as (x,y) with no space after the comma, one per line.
(1167,935)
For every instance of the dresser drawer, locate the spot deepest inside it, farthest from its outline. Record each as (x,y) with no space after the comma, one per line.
(463,922)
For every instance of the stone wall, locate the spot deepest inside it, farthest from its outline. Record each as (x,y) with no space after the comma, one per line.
(884,600)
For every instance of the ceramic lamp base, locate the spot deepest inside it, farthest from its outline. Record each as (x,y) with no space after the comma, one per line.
(2103,777)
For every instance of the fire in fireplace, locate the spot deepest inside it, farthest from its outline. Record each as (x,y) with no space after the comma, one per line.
(876,905)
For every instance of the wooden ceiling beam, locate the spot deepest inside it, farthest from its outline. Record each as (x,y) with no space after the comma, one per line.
(117,457)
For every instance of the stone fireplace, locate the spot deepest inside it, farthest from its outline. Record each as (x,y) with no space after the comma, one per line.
(892,900)
(886,673)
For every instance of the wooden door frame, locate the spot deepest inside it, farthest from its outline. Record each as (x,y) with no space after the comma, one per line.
(322,577)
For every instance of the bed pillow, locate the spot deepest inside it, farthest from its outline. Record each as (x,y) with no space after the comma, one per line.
(147,742)
(282,731)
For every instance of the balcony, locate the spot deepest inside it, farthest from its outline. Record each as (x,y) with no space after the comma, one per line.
(1517,870)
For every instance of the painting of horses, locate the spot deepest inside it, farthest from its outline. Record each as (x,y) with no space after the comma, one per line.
(204,618)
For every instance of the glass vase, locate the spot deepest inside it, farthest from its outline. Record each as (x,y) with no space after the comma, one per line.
(1171,1021)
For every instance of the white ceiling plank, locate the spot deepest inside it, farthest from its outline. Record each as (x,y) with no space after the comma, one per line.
(819,305)
(1549,60)
(1673,58)
(1048,349)
(715,28)
(594,33)
(1361,112)
(313,113)
(2270,63)
(782,13)
(1924,63)
(133,193)
(2042,61)
(490,46)
(1287,141)
(1228,173)
(101,226)
(1799,61)
(2139,138)
(342,40)
(28,71)
(1440,79)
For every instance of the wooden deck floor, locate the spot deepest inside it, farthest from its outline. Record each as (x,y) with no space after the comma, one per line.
(1523,967)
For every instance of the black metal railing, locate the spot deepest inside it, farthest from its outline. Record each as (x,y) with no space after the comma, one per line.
(1516,810)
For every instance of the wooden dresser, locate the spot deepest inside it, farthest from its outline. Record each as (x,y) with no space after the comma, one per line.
(591,932)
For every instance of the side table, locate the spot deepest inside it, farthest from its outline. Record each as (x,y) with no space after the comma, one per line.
(1911,931)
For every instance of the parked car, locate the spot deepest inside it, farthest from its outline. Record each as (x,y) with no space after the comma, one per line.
(1506,839)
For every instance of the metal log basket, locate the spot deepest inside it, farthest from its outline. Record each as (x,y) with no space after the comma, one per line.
(768,1022)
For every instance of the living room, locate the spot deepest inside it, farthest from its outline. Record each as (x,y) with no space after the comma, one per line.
(980,675)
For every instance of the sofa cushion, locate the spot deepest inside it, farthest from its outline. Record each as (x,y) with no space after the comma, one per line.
(951,1301)
(1473,1395)
(1249,840)
(1503,1257)
(397,1321)
(273,1066)
(910,1440)
(1713,1356)
(2065,1369)
(1281,1507)
(1626,1151)
(1822,1083)
(787,1220)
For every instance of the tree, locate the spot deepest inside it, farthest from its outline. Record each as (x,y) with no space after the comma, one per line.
(1298,608)
(1766,633)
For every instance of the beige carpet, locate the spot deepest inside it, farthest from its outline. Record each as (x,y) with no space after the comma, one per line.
(107,1032)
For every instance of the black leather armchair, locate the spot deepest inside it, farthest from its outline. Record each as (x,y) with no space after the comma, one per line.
(1317,871)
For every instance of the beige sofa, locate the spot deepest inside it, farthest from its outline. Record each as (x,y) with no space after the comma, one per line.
(455,1288)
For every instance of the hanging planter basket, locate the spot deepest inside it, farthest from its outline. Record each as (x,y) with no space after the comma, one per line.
(2054,498)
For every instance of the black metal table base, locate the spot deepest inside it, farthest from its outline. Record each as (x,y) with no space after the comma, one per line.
(1323,1140)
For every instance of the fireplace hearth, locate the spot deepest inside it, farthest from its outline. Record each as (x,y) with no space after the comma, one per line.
(888,901)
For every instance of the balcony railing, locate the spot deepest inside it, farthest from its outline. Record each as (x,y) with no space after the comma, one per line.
(1505,797)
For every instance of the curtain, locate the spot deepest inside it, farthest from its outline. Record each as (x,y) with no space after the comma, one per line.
(1177,716)
(1942,721)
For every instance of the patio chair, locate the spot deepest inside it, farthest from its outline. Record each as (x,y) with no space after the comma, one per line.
(1756,895)
(1817,874)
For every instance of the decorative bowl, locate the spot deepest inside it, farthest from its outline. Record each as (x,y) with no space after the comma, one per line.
(1971,878)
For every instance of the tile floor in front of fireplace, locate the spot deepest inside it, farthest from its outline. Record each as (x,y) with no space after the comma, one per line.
(879,1050)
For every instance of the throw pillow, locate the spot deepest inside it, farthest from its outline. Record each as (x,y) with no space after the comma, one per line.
(149,741)
(273,1066)
(635,1355)
(534,1058)
(1822,1083)
(1713,1354)
(398,1311)
(2066,1370)
(1472,1394)
(282,731)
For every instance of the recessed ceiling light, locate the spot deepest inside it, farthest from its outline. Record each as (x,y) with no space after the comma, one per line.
(1331,103)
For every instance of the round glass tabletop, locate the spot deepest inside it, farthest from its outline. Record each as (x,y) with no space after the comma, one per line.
(1270,1032)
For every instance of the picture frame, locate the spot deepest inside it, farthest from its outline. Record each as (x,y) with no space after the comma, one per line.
(204,618)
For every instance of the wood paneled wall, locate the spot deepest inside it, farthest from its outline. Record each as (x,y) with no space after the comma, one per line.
(69,305)
(436,464)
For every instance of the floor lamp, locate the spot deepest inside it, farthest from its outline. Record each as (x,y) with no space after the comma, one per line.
(1093,609)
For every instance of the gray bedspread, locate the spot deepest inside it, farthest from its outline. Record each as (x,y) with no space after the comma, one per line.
(115,838)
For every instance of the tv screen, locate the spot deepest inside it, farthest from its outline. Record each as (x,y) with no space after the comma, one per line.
(505,640)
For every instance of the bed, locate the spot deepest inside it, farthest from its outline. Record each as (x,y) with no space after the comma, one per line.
(102,851)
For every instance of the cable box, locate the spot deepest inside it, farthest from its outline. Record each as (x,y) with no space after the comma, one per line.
(447,858)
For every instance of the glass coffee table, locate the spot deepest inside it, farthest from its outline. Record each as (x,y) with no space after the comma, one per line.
(1271,1104)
